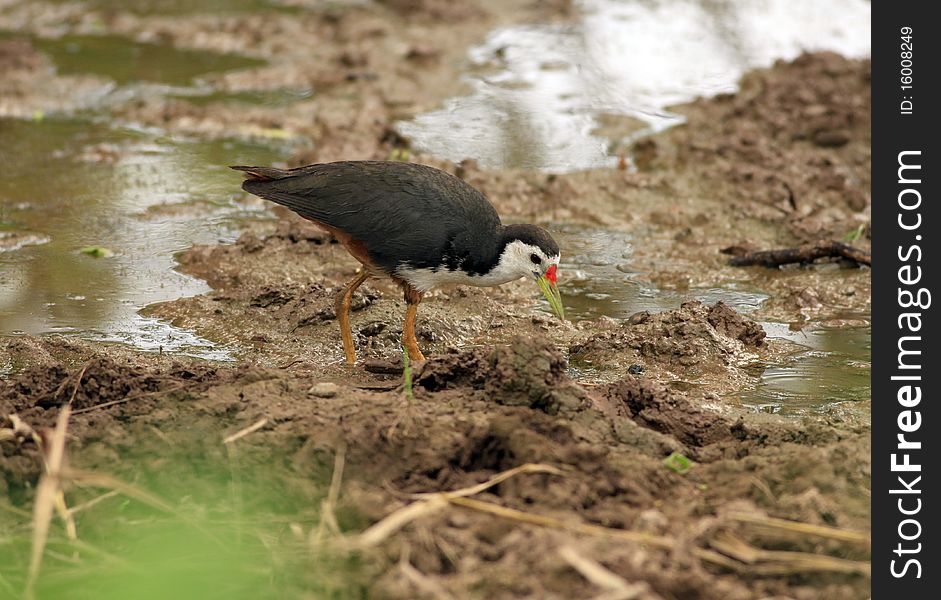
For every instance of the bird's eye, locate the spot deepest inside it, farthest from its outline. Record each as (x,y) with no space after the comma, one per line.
(535,258)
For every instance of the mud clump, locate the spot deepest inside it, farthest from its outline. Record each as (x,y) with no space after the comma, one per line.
(100,381)
(652,406)
(531,372)
(733,325)
(528,372)
(795,139)
(692,340)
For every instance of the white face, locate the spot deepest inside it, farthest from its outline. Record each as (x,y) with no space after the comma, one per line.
(524,260)
(515,262)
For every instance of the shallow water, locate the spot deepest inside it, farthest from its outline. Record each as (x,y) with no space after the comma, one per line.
(126,61)
(828,370)
(829,373)
(73,184)
(599,279)
(545,96)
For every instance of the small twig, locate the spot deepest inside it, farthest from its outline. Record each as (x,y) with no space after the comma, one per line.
(555,523)
(796,527)
(733,554)
(328,517)
(46,493)
(399,519)
(93,502)
(594,572)
(66,515)
(78,383)
(406,415)
(653,541)
(383,367)
(776,562)
(496,479)
(172,388)
(802,254)
(420,580)
(376,387)
(246,431)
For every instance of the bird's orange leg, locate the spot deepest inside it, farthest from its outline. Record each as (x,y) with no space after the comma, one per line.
(412,298)
(343,314)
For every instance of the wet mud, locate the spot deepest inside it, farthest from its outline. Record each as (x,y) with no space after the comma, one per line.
(610,404)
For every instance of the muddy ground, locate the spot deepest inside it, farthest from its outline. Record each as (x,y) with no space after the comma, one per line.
(784,161)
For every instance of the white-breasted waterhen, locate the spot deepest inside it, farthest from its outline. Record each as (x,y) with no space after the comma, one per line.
(414,223)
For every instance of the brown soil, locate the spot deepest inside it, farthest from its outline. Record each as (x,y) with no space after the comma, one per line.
(477,412)
(784,161)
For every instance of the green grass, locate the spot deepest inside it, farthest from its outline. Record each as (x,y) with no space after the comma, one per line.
(240,527)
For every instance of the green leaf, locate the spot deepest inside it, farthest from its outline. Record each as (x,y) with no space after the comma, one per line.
(678,463)
(96,251)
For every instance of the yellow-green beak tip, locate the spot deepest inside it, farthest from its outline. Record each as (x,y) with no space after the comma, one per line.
(550,291)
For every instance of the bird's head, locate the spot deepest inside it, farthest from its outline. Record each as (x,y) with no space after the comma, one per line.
(529,251)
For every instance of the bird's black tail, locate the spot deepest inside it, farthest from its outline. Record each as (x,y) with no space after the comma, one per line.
(263,173)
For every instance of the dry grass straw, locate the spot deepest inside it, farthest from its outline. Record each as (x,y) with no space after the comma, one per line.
(328,517)
(425,584)
(129,398)
(406,415)
(47,494)
(90,503)
(433,502)
(796,529)
(615,587)
(50,495)
(235,469)
(777,562)
(246,431)
(727,551)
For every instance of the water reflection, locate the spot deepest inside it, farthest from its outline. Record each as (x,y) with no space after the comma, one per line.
(137,193)
(538,90)
(598,279)
(828,370)
(831,369)
(124,60)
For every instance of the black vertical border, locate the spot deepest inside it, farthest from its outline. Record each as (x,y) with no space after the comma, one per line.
(892,133)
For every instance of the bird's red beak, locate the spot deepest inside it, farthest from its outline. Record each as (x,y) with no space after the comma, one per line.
(548,283)
(551,275)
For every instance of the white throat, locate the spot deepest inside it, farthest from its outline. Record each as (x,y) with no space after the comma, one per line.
(515,262)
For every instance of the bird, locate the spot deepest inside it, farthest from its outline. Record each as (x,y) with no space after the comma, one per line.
(418,225)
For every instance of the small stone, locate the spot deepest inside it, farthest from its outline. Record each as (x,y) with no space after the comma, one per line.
(373,329)
(324,389)
(651,521)
(831,138)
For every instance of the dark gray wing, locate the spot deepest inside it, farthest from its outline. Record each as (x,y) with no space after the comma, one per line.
(405,214)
